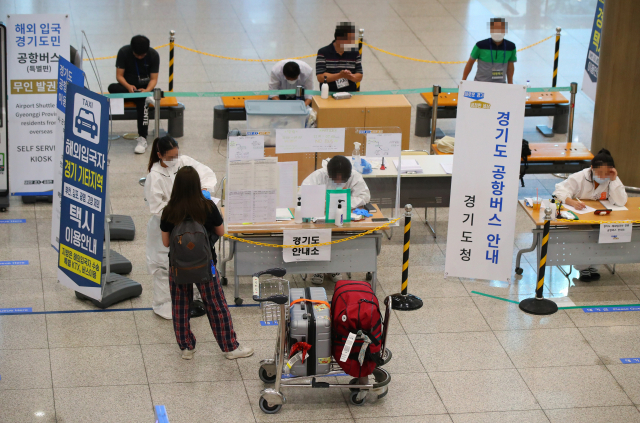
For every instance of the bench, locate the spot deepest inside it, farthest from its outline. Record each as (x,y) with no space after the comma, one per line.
(232,108)
(551,157)
(540,104)
(170,109)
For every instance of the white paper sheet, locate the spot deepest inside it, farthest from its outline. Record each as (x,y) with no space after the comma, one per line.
(447,167)
(215,200)
(246,148)
(239,207)
(384,145)
(586,210)
(288,184)
(240,177)
(265,174)
(283,214)
(264,205)
(409,166)
(117,106)
(333,203)
(309,140)
(609,205)
(313,200)
(306,237)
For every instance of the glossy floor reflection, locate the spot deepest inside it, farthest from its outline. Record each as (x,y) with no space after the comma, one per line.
(461,358)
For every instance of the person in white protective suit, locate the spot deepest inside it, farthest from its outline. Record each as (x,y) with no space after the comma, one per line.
(164,163)
(599,182)
(338,175)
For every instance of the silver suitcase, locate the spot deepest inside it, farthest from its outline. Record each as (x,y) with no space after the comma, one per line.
(311,323)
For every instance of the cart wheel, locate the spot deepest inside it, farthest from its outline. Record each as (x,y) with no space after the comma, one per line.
(519,270)
(264,376)
(238,301)
(3,209)
(386,357)
(354,399)
(384,393)
(354,381)
(369,276)
(264,406)
(224,281)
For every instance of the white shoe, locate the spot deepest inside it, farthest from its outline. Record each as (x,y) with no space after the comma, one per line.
(188,354)
(149,101)
(239,352)
(335,277)
(317,279)
(142,145)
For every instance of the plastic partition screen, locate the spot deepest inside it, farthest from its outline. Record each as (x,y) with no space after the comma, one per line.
(281,179)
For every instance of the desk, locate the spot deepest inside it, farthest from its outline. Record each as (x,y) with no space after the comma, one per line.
(575,242)
(358,255)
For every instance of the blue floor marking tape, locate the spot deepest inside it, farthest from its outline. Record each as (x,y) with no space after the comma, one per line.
(14,263)
(610,309)
(161,414)
(630,360)
(107,310)
(13,221)
(268,323)
(15,310)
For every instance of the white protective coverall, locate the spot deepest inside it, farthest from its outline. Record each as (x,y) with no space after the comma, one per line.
(360,194)
(157,192)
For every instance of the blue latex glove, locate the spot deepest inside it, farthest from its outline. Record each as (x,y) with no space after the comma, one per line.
(366,166)
(206,194)
(362,212)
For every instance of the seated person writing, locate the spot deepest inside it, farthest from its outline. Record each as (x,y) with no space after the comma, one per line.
(599,182)
(339,175)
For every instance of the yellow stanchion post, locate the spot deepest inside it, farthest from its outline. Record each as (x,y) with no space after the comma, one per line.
(539,305)
(404,300)
(360,41)
(172,39)
(555,57)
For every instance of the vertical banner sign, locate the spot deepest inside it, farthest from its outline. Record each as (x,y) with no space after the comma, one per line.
(4,173)
(34,46)
(590,78)
(84,185)
(67,73)
(484,198)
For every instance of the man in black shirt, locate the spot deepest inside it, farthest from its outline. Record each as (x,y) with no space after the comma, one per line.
(339,63)
(137,67)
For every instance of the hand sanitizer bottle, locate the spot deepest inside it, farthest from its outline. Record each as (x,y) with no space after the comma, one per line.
(528,86)
(356,161)
(339,217)
(324,90)
(298,215)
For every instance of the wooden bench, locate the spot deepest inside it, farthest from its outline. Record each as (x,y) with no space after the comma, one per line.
(232,108)
(552,157)
(170,109)
(540,104)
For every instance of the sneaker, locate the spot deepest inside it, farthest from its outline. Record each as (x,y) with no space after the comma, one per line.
(239,352)
(335,277)
(149,101)
(585,275)
(188,354)
(594,273)
(317,279)
(142,145)
(197,309)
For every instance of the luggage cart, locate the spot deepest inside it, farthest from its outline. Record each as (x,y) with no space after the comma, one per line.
(273,296)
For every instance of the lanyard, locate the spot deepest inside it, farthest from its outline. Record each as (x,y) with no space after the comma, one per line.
(135,62)
(504,57)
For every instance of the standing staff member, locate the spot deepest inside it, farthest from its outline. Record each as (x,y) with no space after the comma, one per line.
(164,163)
(495,56)
(288,74)
(599,182)
(340,63)
(137,67)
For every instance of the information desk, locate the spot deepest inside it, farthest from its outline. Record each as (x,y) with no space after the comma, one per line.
(358,255)
(432,188)
(576,242)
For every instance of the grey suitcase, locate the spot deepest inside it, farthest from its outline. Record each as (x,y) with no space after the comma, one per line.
(311,323)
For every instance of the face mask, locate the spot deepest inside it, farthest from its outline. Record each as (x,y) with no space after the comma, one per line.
(350,47)
(497,36)
(172,165)
(600,180)
(294,82)
(333,185)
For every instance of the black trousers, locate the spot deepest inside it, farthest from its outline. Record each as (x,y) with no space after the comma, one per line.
(143,112)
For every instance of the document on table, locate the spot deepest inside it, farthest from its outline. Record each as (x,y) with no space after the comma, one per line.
(264,205)
(265,174)
(240,177)
(409,166)
(586,210)
(239,207)
(313,200)
(246,148)
(287,184)
(609,205)
(447,167)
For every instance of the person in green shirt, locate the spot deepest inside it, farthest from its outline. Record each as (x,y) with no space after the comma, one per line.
(496,56)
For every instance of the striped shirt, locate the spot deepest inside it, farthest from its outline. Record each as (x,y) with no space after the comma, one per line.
(329,61)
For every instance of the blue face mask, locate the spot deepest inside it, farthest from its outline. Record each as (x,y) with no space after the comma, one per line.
(600,180)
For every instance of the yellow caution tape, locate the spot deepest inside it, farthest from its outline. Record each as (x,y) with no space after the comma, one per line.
(113,57)
(241,59)
(262,244)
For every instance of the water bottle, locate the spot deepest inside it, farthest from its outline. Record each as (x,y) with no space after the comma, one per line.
(528,86)
(356,161)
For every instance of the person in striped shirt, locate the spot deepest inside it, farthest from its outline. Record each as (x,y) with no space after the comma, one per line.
(496,56)
(340,63)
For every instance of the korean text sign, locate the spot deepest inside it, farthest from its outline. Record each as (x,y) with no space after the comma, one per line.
(590,77)
(84,184)
(306,237)
(482,214)
(34,46)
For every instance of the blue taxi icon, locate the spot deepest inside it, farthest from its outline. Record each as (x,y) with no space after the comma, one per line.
(85,121)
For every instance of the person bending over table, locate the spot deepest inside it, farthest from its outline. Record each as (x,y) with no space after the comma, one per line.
(599,182)
(339,175)
(137,67)
(288,74)
(340,63)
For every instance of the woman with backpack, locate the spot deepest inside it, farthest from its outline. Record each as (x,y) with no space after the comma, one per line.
(164,163)
(188,223)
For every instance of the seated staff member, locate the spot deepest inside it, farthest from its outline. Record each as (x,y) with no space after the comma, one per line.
(137,67)
(599,182)
(338,175)
(288,74)
(496,56)
(340,62)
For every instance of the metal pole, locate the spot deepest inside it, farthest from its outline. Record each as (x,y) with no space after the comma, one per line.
(404,300)
(157,96)
(360,41)
(172,39)
(572,108)
(540,305)
(434,117)
(555,57)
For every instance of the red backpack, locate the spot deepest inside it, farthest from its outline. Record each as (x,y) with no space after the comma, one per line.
(355,309)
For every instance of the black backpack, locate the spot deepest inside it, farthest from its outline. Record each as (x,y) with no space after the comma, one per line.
(526,152)
(190,253)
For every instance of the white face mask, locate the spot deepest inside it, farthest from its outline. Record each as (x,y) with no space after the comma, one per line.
(350,47)
(294,82)
(497,36)
(172,165)
(333,185)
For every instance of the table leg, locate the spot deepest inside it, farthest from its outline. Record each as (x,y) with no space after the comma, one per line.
(236,282)
(426,222)
(222,267)
(612,269)
(526,250)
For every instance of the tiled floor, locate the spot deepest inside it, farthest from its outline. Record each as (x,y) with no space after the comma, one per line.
(461,358)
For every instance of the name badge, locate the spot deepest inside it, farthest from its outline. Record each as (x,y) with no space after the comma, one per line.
(497,74)
(342,82)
